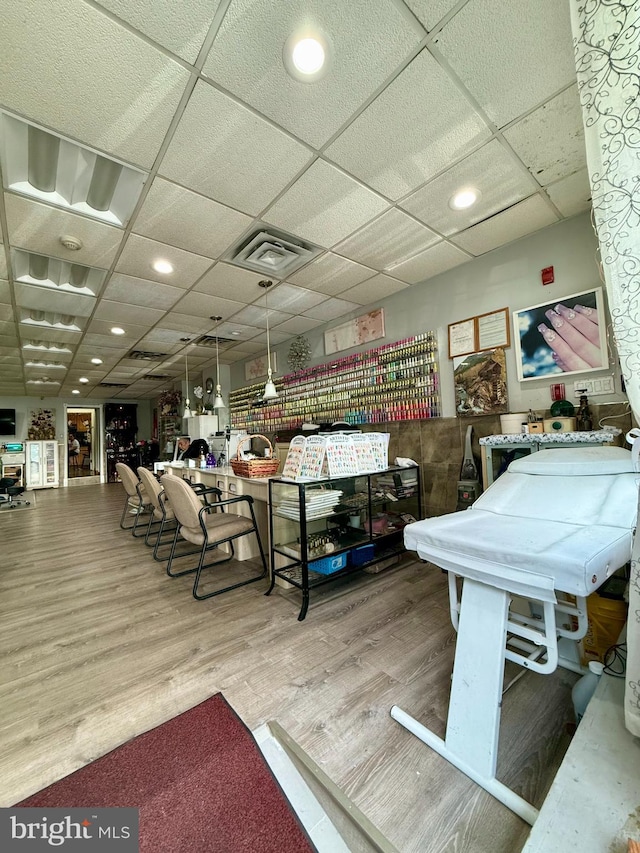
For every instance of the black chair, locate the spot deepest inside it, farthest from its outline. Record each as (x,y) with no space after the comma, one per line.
(9,493)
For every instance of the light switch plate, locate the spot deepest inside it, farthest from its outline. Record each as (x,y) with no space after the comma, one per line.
(593,387)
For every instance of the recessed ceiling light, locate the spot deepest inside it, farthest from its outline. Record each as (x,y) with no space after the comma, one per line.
(75,391)
(163,266)
(235,334)
(96,361)
(464,198)
(306,55)
(83,379)
(116,330)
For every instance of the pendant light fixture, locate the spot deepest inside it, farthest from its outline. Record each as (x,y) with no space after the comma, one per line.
(218,402)
(187,410)
(270,392)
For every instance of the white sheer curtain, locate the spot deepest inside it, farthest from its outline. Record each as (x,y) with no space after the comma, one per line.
(607,52)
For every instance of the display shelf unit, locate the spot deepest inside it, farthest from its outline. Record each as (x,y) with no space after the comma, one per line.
(169,429)
(326,529)
(394,382)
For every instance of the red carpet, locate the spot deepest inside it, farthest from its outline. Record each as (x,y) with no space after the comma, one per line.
(200,782)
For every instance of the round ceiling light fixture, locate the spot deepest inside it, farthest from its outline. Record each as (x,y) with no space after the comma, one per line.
(96,361)
(83,379)
(116,330)
(163,266)
(75,391)
(464,198)
(306,55)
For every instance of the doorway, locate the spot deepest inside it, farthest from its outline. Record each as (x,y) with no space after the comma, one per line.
(83,445)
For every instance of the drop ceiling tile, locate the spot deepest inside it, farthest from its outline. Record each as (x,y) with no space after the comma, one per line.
(236,331)
(188,325)
(204,306)
(511,56)
(131,331)
(550,141)
(277,337)
(331,309)
(388,146)
(376,288)
(391,238)
(9,340)
(492,170)
(98,341)
(571,195)
(180,217)
(340,205)
(430,12)
(368,42)
(38,228)
(139,254)
(48,299)
(3,263)
(6,311)
(226,152)
(117,312)
(298,325)
(168,337)
(253,315)
(127,89)
(524,218)
(433,261)
(139,291)
(181,28)
(248,348)
(231,282)
(331,274)
(288,297)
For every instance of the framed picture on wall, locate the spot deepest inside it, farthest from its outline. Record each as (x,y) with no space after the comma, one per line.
(561,337)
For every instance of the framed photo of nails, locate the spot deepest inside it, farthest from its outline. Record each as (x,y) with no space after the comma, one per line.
(560,337)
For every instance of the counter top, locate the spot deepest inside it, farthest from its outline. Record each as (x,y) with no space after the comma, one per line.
(594,437)
(222,471)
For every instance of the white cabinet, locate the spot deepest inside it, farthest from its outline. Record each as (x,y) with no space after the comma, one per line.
(202,426)
(42,465)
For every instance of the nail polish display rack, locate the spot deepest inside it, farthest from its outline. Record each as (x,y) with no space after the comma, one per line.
(394,382)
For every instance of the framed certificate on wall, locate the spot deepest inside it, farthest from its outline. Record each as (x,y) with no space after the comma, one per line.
(493,329)
(462,337)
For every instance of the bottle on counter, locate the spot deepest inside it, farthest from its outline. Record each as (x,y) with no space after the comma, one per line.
(584,420)
(203,459)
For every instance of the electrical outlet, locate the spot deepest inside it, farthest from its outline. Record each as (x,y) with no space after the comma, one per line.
(593,387)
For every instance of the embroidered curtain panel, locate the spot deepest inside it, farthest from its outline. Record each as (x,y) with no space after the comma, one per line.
(607,52)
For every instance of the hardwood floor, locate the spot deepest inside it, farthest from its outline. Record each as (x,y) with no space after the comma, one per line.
(97,645)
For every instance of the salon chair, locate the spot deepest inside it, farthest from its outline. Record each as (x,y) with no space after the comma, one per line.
(10,493)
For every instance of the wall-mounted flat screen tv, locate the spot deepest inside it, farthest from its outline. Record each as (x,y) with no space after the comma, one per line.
(7,421)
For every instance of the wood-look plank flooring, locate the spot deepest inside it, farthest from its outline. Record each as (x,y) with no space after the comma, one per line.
(97,645)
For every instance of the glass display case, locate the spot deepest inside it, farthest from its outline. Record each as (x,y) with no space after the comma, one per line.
(325,529)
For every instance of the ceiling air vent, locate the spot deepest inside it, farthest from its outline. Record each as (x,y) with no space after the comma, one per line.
(272,252)
(114,385)
(210,341)
(147,356)
(157,376)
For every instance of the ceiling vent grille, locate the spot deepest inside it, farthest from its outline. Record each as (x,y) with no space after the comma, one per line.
(157,376)
(272,252)
(142,355)
(114,385)
(210,341)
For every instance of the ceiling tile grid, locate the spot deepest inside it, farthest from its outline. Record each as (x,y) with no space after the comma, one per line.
(420,99)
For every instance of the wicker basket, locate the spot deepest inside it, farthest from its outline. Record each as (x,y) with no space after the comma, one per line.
(254,467)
